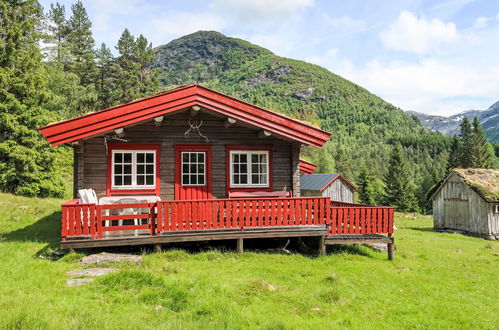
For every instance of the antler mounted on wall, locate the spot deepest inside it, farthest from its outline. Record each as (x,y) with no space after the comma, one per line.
(194,126)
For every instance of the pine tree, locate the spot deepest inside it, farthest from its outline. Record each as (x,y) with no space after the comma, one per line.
(104,87)
(399,187)
(81,44)
(27,163)
(57,34)
(466,137)
(481,156)
(454,159)
(149,81)
(127,69)
(366,188)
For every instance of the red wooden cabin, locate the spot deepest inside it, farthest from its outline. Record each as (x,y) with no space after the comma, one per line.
(193,164)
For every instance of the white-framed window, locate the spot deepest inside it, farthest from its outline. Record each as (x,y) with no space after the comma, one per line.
(249,168)
(496,208)
(193,168)
(133,169)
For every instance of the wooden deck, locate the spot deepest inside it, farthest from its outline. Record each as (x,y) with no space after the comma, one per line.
(90,225)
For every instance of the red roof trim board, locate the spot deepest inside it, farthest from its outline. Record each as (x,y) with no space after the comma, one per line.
(176,100)
(335,178)
(307,167)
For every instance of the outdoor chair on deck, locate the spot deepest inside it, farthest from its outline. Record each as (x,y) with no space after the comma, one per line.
(128,211)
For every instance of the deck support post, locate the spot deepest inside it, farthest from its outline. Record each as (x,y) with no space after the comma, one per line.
(240,245)
(389,248)
(322,245)
(157,248)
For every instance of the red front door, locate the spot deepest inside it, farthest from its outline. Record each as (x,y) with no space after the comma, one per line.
(192,172)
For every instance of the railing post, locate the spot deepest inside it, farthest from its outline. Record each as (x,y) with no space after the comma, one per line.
(152,218)
(99,221)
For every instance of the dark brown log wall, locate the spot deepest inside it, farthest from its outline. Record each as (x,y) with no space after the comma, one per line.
(284,154)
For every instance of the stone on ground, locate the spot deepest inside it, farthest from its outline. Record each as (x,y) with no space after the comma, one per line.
(91,272)
(78,281)
(104,258)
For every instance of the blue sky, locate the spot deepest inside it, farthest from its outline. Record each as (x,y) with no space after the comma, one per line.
(438,57)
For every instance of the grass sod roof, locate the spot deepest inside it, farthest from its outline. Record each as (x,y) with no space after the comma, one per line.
(484,181)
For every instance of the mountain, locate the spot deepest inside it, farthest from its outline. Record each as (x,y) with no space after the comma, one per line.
(489,119)
(364,126)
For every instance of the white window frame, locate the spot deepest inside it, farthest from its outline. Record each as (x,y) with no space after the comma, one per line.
(134,184)
(182,168)
(249,173)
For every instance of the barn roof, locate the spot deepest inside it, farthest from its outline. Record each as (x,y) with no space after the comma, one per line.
(177,100)
(484,181)
(321,181)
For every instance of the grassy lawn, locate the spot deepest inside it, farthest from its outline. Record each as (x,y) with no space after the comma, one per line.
(436,281)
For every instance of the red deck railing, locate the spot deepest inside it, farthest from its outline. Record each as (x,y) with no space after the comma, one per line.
(90,220)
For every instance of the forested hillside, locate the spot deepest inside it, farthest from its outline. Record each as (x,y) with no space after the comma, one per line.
(364,126)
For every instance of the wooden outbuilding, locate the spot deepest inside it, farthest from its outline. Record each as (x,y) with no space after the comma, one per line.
(467,201)
(332,185)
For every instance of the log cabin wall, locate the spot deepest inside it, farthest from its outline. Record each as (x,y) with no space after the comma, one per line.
(458,207)
(285,155)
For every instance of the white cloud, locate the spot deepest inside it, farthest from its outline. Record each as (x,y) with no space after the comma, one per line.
(429,85)
(418,35)
(248,11)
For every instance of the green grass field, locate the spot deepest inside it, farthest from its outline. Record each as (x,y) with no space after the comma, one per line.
(436,281)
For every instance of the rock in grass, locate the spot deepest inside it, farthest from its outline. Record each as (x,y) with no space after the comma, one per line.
(105,258)
(91,272)
(78,281)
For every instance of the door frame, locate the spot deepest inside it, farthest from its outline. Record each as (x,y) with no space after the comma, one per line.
(207,149)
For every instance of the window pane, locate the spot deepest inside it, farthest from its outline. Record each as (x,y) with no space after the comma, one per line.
(243,168)
(117,169)
(254,179)
(185,157)
(185,168)
(127,180)
(193,157)
(194,179)
(140,158)
(127,169)
(118,181)
(185,179)
(263,168)
(243,158)
(140,169)
(263,179)
(201,168)
(263,158)
(236,179)
(235,158)
(150,169)
(235,168)
(254,168)
(254,158)
(140,180)
(150,180)
(201,157)
(243,179)
(200,179)
(118,157)
(149,158)
(127,157)
(193,168)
